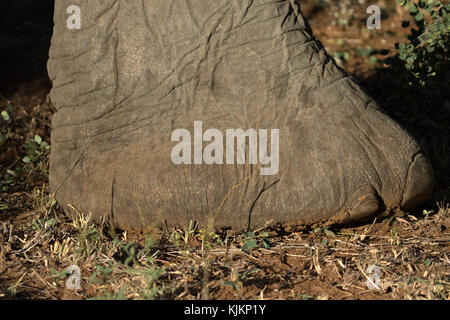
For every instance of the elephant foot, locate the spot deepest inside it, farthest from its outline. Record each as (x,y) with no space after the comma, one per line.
(139,75)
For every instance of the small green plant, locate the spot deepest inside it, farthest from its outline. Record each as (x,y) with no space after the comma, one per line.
(35,148)
(247,274)
(189,231)
(252,241)
(5,131)
(238,278)
(33,151)
(231,284)
(341,57)
(394,239)
(425,57)
(343,11)
(5,116)
(59,275)
(152,273)
(426,213)
(134,253)
(209,238)
(153,288)
(368,53)
(44,202)
(305,296)
(8,179)
(324,231)
(5,128)
(101,272)
(87,235)
(117,295)
(44,224)
(186,235)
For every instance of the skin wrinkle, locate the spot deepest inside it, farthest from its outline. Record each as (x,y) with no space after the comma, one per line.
(364,150)
(74,57)
(106,10)
(246,10)
(370,142)
(117,114)
(191,15)
(112,130)
(414,156)
(379,153)
(391,166)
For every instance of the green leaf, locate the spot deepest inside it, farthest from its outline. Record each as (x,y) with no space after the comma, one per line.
(413,8)
(26,159)
(266,244)
(373,60)
(365,52)
(230,283)
(38,139)
(45,145)
(5,116)
(317,230)
(249,245)
(345,55)
(51,222)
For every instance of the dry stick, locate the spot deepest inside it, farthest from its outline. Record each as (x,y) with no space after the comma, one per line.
(205,278)
(72,167)
(2,255)
(39,235)
(228,195)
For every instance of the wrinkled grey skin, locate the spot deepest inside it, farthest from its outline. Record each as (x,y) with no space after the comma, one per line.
(139,69)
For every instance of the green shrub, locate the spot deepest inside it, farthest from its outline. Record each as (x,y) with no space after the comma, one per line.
(425,57)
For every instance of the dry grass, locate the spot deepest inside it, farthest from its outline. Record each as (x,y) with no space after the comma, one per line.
(193,263)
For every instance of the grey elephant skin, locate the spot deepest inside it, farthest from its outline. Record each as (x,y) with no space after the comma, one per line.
(138,70)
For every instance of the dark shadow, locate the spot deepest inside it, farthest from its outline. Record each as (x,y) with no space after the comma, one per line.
(423,111)
(25,33)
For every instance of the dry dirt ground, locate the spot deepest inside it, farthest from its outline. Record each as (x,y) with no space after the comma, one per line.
(38,243)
